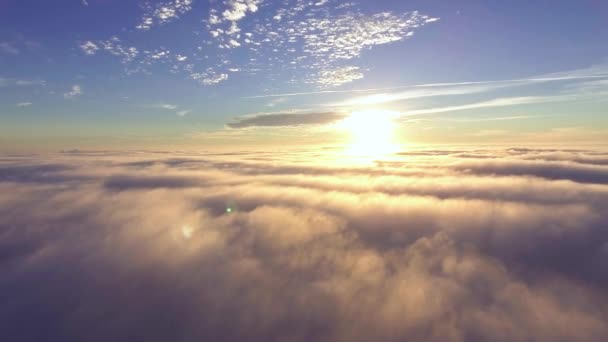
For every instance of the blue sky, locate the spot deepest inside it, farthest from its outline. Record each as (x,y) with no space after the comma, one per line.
(190,71)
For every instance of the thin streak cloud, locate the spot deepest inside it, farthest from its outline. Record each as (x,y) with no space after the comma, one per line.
(286,119)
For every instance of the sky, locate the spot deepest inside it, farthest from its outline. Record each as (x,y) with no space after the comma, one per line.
(303,170)
(107,74)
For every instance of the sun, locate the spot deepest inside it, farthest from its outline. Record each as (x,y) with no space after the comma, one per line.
(372,132)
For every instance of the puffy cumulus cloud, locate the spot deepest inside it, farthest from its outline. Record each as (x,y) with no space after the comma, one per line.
(425,245)
(237,9)
(286,119)
(163,12)
(89,48)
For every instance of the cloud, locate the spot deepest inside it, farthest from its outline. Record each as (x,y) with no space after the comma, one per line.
(89,48)
(171,107)
(11,82)
(291,119)
(9,48)
(315,37)
(167,106)
(237,9)
(551,170)
(76,91)
(594,77)
(286,119)
(500,118)
(209,77)
(339,76)
(321,40)
(276,101)
(421,91)
(498,102)
(23,104)
(163,12)
(115,47)
(426,245)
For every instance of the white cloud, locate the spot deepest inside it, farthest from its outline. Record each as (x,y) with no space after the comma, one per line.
(591,82)
(163,12)
(115,47)
(76,91)
(276,101)
(209,77)
(237,9)
(498,102)
(166,106)
(11,82)
(183,113)
(339,76)
(446,244)
(311,38)
(89,48)
(316,43)
(415,92)
(23,104)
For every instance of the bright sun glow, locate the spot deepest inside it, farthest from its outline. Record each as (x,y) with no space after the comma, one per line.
(372,132)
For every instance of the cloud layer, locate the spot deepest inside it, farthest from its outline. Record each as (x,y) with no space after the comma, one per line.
(426,245)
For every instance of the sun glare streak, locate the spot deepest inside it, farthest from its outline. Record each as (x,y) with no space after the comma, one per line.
(372,132)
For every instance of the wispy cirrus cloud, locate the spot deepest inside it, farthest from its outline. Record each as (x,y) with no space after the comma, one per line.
(170,107)
(421,91)
(167,106)
(12,82)
(498,102)
(499,118)
(23,104)
(592,77)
